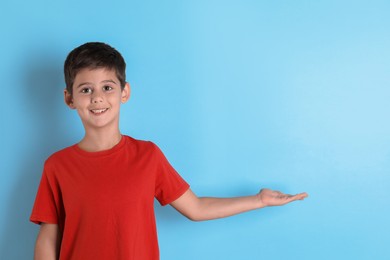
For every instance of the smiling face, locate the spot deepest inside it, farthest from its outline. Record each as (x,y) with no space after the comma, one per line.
(97,96)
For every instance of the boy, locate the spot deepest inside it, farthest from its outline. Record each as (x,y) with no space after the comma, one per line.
(95,199)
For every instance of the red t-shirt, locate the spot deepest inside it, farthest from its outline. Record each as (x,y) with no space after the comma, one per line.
(103,201)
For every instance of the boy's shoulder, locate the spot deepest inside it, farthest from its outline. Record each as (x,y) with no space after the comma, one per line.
(60,153)
(133,141)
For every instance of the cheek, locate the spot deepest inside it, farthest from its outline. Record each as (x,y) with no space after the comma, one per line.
(115,100)
(81,103)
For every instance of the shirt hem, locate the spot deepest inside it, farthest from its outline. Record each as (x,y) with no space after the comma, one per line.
(39,220)
(174,197)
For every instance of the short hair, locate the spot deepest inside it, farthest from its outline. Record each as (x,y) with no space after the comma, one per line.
(93,55)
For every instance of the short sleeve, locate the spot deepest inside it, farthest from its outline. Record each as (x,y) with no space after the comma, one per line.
(169,184)
(47,206)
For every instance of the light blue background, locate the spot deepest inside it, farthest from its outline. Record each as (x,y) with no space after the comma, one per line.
(240,95)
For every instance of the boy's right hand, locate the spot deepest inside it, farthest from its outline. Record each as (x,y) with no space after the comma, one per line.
(270,197)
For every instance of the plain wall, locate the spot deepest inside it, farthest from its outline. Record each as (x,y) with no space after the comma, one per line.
(240,95)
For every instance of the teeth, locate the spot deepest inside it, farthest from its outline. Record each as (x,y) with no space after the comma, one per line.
(98,111)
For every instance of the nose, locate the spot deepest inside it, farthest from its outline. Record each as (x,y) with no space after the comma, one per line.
(96,98)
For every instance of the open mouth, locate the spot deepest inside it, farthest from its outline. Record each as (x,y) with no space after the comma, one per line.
(98,111)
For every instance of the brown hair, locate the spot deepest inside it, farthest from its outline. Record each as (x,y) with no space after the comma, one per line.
(93,55)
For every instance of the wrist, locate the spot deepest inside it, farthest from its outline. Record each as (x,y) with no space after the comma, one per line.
(258,202)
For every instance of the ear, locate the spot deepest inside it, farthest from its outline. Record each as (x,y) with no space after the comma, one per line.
(68,99)
(125,95)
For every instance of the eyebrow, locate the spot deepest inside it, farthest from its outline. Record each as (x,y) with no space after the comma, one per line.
(89,83)
(82,84)
(109,81)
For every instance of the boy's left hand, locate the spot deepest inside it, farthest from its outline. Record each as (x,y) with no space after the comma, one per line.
(276,198)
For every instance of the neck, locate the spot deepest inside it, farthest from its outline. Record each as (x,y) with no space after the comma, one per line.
(95,141)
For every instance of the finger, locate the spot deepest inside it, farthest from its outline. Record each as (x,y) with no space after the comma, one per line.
(290,198)
(304,195)
(281,196)
(300,196)
(285,196)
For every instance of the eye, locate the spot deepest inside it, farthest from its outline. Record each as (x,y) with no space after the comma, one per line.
(86,90)
(107,88)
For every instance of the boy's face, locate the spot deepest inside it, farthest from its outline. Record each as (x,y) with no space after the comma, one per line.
(97,97)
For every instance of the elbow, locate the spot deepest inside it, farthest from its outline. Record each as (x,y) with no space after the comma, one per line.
(194,217)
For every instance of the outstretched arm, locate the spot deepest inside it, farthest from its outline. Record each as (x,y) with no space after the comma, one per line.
(206,208)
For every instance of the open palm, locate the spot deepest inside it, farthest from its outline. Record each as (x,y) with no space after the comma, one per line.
(276,198)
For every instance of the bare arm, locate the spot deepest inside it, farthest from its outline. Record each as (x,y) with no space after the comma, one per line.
(48,242)
(205,208)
